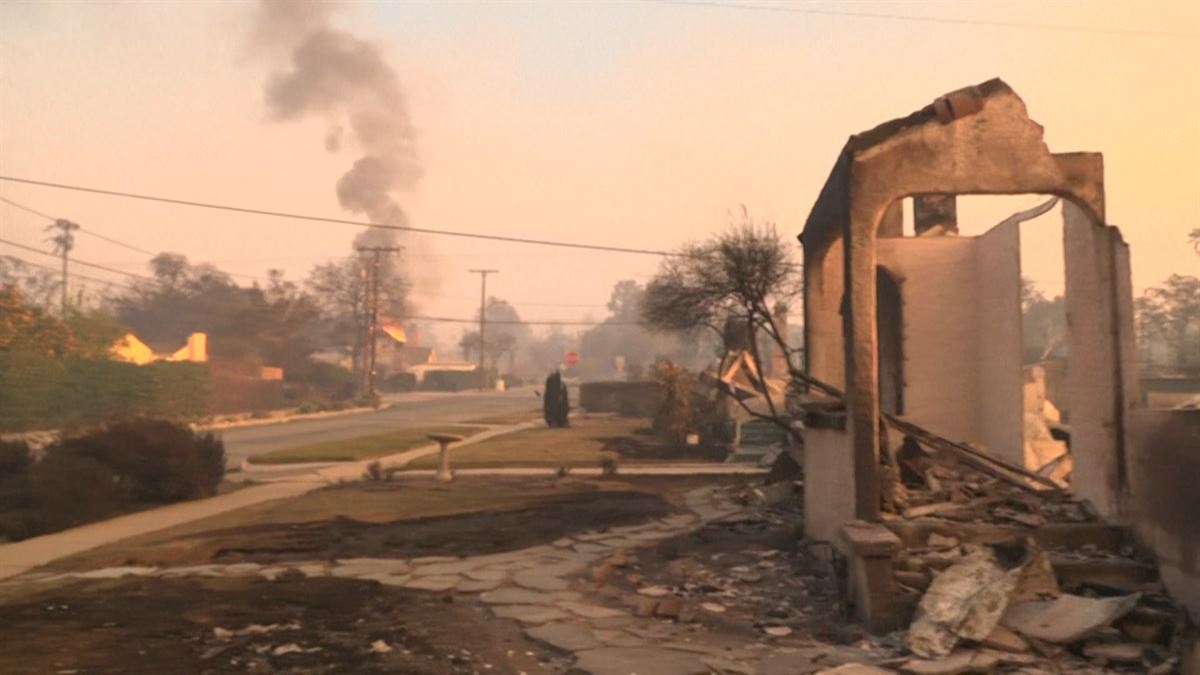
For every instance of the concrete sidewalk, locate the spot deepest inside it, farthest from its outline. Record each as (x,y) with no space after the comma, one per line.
(22,556)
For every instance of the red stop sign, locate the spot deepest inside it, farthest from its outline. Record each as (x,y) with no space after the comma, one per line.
(571,359)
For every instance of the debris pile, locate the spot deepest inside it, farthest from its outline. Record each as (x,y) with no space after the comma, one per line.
(1003,606)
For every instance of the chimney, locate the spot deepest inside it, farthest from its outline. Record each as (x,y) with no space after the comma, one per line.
(931,212)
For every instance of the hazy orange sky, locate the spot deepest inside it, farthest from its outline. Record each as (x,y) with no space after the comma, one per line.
(624,123)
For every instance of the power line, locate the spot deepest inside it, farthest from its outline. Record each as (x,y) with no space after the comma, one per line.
(445,319)
(107,282)
(77,262)
(82,230)
(338,221)
(406,318)
(792,9)
(90,233)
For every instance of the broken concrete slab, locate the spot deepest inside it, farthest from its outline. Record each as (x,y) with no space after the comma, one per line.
(590,611)
(439,584)
(1118,652)
(1005,640)
(516,596)
(529,613)
(647,660)
(487,574)
(855,669)
(1067,618)
(568,637)
(539,582)
(617,638)
(445,568)
(476,586)
(961,661)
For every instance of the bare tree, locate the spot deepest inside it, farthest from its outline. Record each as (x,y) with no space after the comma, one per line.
(741,274)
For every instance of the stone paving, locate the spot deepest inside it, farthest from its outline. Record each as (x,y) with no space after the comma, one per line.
(545,588)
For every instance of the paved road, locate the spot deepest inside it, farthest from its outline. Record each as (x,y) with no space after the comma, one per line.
(408,410)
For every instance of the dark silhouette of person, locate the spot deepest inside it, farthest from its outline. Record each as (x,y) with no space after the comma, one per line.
(564,404)
(556,404)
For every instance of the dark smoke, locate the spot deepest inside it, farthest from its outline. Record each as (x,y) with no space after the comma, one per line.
(329,73)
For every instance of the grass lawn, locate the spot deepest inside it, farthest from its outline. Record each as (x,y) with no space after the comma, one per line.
(362,447)
(589,439)
(508,418)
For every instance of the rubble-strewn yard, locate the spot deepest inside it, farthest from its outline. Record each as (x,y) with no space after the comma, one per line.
(251,625)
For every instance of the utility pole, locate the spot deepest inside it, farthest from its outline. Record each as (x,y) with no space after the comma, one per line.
(64,241)
(483,274)
(373,329)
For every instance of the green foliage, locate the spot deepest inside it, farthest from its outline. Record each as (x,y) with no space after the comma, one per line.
(25,328)
(456,380)
(1044,324)
(1170,314)
(684,409)
(39,391)
(94,333)
(329,379)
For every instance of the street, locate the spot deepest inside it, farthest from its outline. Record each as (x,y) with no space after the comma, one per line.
(406,410)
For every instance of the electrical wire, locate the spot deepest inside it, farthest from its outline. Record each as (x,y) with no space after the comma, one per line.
(793,9)
(74,275)
(82,230)
(337,221)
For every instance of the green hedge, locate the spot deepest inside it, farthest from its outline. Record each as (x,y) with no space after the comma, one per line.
(39,392)
(456,380)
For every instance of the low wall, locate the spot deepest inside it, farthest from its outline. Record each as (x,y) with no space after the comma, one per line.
(640,399)
(1164,496)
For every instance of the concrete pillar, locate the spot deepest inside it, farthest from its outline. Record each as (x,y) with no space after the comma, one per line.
(1094,387)
(828,479)
(862,386)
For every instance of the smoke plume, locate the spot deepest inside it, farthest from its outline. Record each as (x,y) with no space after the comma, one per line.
(322,71)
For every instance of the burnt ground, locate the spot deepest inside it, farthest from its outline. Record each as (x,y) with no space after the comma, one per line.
(756,570)
(290,625)
(457,535)
(643,444)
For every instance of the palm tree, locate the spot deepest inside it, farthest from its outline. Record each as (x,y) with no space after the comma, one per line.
(63,242)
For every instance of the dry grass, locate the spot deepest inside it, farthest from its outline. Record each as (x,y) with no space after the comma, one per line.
(589,440)
(361,447)
(508,418)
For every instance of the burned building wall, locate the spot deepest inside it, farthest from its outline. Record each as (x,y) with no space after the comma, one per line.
(962,335)
(999,355)
(1101,384)
(941,334)
(988,147)
(824,293)
(1163,500)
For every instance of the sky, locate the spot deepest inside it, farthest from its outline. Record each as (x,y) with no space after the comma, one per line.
(639,124)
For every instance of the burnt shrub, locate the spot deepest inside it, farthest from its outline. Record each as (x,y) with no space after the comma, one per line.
(122,467)
(153,460)
(14,475)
